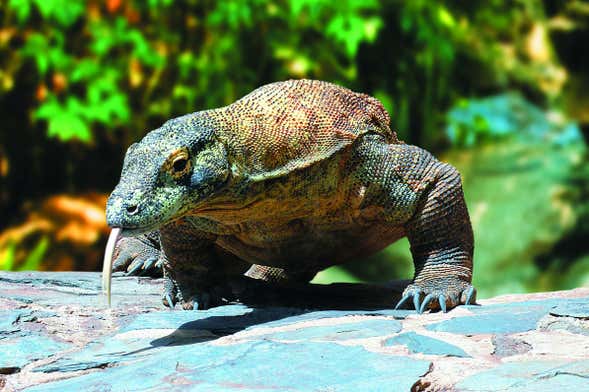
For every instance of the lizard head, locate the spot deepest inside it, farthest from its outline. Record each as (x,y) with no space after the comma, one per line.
(171,170)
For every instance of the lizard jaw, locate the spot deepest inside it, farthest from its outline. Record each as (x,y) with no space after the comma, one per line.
(135,231)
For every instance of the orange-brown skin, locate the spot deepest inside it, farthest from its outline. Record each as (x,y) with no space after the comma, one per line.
(293,178)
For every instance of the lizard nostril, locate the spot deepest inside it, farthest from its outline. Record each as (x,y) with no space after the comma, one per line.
(132,210)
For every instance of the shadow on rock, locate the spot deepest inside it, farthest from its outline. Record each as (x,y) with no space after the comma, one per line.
(275,305)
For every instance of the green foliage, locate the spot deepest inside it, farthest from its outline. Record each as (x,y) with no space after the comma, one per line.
(64,12)
(65,120)
(87,82)
(350,28)
(8,256)
(47,52)
(33,260)
(128,64)
(35,257)
(99,64)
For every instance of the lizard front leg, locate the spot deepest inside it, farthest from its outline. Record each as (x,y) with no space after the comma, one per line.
(424,197)
(441,241)
(194,273)
(141,255)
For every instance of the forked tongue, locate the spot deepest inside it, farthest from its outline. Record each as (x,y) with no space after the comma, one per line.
(107,262)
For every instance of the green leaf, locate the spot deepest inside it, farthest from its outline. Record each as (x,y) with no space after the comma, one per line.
(37,47)
(104,101)
(142,49)
(445,17)
(350,31)
(49,109)
(371,28)
(8,256)
(22,8)
(45,7)
(313,8)
(406,22)
(70,12)
(85,69)
(104,38)
(67,126)
(65,12)
(66,122)
(35,258)
(159,3)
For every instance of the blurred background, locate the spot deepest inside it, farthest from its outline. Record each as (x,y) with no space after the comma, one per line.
(500,89)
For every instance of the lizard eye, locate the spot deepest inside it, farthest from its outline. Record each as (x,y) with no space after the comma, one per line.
(178,164)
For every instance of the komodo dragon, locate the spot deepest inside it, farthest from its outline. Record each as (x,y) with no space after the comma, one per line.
(292,178)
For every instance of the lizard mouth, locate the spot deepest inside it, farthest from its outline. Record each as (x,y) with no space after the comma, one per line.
(135,231)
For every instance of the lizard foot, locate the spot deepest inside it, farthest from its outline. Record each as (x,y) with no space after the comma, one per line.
(434,294)
(204,300)
(137,257)
(189,299)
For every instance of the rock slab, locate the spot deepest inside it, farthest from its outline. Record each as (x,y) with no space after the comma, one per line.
(57,334)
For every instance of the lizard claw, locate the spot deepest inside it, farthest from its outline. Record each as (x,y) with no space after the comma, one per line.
(442,303)
(168,302)
(150,263)
(137,265)
(169,293)
(205,300)
(192,294)
(426,301)
(402,301)
(415,294)
(416,298)
(198,302)
(471,294)
(441,294)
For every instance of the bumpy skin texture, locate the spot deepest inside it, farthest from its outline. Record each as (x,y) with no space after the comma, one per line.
(292,178)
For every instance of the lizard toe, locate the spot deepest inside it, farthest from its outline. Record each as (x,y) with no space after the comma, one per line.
(469,295)
(442,302)
(136,257)
(122,260)
(426,302)
(168,301)
(169,298)
(135,267)
(150,263)
(414,294)
(203,301)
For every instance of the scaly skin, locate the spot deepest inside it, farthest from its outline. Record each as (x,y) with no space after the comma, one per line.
(293,178)
(139,255)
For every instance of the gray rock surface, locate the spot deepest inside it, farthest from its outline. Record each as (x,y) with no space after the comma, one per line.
(56,334)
